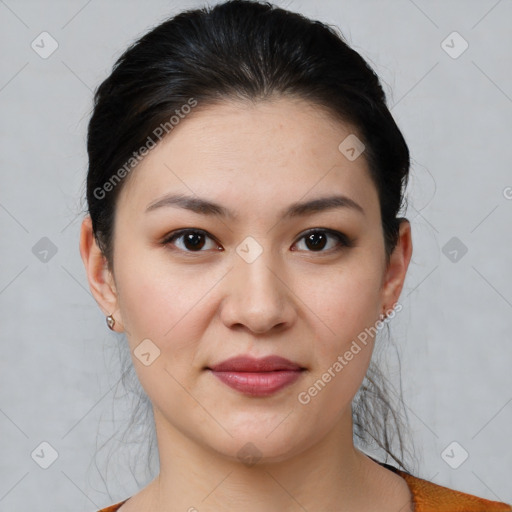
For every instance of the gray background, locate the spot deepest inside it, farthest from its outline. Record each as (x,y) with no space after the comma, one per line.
(59,370)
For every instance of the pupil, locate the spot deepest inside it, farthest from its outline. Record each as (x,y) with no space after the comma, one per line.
(318,243)
(192,238)
(313,241)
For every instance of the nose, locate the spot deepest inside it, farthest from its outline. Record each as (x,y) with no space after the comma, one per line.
(257,296)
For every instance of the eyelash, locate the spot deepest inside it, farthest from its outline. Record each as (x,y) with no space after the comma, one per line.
(344,240)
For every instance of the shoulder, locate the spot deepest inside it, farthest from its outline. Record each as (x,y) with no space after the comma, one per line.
(427,497)
(430,497)
(113,508)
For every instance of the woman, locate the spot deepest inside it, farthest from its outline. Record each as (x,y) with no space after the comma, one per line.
(245,177)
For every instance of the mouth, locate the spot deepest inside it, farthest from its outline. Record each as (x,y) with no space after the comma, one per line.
(257,377)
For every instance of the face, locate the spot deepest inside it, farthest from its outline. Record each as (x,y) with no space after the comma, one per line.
(194,288)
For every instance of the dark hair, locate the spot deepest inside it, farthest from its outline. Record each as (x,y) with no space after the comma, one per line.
(242,50)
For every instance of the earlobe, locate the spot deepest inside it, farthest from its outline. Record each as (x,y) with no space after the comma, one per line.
(398,265)
(101,281)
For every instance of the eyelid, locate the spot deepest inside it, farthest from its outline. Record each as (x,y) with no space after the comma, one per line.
(343,238)
(345,241)
(170,237)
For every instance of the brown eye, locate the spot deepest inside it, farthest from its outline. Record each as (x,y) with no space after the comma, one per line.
(193,240)
(317,239)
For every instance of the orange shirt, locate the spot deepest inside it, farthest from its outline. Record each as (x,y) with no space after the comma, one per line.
(427,497)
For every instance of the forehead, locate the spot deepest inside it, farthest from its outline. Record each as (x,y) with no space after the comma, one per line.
(255,155)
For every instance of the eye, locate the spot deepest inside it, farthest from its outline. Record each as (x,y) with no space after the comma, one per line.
(316,240)
(193,240)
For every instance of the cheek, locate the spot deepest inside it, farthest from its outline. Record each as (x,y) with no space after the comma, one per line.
(163,303)
(166,308)
(345,309)
(346,302)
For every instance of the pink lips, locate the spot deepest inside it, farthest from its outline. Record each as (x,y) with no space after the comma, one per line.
(257,377)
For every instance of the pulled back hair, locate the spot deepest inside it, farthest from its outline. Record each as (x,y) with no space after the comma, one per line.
(249,51)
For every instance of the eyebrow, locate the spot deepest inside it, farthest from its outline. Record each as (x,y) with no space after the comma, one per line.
(298,209)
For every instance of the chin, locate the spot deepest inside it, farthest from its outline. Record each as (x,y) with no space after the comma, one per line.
(256,446)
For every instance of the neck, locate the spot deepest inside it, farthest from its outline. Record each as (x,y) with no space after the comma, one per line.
(327,475)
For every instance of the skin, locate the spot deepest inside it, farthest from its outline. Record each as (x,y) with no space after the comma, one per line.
(200,308)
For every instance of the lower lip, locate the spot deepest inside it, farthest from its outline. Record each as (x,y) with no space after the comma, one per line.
(258,383)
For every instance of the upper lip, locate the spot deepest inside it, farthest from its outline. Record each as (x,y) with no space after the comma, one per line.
(251,364)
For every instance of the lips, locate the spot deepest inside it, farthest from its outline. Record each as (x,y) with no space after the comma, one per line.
(250,364)
(257,377)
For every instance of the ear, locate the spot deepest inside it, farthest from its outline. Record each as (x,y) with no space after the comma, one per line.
(394,277)
(101,280)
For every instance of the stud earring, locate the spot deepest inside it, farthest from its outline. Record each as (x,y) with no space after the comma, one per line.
(110,322)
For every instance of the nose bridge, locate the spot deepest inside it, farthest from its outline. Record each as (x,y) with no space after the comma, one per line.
(255,268)
(257,296)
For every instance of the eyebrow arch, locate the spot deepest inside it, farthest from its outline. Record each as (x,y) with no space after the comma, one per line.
(298,209)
